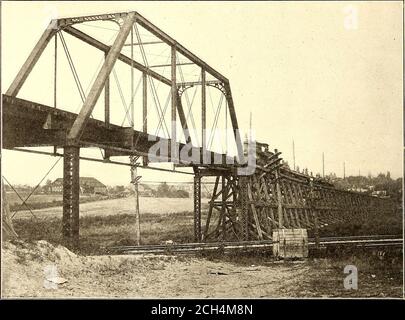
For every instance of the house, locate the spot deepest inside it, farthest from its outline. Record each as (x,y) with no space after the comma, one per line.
(145,190)
(88,185)
(379,193)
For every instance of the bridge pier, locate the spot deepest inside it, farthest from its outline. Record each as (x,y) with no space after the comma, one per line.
(197,207)
(71,192)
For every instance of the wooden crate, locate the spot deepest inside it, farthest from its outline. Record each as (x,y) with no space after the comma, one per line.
(290,243)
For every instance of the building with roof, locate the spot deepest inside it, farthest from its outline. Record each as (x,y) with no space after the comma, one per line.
(88,185)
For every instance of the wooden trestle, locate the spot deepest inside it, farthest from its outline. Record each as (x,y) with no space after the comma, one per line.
(245,208)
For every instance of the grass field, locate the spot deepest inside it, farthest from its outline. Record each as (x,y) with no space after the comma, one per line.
(13,199)
(41,201)
(112,222)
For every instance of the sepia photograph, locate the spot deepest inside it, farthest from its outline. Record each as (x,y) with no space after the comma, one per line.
(202,150)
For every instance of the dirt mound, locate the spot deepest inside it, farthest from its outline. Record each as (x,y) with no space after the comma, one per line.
(40,269)
(29,266)
(38,251)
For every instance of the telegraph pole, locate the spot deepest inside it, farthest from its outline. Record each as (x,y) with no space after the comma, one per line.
(250,127)
(323,165)
(294,154)
(344,170)
(134,180)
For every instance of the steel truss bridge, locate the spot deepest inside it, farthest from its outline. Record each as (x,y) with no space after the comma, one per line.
(242,207)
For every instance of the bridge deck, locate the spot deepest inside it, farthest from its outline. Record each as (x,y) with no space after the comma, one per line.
(31,124)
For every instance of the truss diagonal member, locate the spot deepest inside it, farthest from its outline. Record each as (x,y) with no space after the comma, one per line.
(98,85)
(124,104)
(180,110)
(152,84)
(36,187)
(162,117)
(72,68)
(214,125)
(18,195)
(183,120)
(127,60)
(234,120)
(190,111)
(32,59)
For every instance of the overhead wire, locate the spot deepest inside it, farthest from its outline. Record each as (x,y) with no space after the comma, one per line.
(76,76)
(213,110)
(151,82)
(215,122)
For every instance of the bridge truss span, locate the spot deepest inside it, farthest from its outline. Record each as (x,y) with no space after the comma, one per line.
(243,206)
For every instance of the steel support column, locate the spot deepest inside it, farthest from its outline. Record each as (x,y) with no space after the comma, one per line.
(197,208)
(71,188)
(145,110)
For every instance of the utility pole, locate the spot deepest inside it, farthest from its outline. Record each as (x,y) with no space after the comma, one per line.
(294,154)
(323,165)
(250,127)
(344,170)
(134,180)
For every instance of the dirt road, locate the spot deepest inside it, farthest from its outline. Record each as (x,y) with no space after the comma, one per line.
(26,270)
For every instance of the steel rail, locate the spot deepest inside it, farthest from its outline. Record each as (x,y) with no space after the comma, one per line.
(358,241)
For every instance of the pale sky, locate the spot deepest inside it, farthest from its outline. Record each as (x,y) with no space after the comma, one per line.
(297,66)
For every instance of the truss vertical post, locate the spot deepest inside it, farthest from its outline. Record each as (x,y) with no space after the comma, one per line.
(145,110)
(173,138)
(234,120)
(203,113)
(71,190)
(145,102)
(107,101)
(197,207)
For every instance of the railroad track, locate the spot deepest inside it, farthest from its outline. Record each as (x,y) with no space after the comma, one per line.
(357,241)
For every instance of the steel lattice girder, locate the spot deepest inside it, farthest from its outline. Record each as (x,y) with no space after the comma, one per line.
(126,20)
(30,124)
